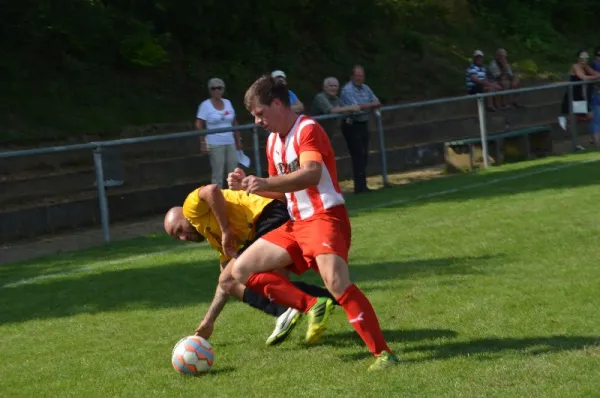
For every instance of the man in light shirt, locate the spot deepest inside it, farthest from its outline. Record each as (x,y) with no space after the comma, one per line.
(355,128)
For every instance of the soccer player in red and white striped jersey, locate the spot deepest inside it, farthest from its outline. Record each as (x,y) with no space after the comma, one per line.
(302,170)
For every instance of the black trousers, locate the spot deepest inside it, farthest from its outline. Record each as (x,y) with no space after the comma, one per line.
(357,140)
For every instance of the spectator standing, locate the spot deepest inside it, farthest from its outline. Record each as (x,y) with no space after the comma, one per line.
(355,128)
(217,112)
(595,122)
(501,72)
(579,71)
(477,81)
(327,102)
(296,104)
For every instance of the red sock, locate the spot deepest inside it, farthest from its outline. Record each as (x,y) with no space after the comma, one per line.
(281,290)
(362,317)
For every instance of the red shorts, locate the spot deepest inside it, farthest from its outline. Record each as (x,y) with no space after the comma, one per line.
(304,240)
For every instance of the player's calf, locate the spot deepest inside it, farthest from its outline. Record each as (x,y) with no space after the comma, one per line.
(359,311)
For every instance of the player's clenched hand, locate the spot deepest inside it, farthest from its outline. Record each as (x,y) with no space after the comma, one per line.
(254,184)
(205,330)
(229,243)
(234,179)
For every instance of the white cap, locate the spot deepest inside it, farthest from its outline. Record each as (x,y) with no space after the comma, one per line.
(478,53)
(278,73)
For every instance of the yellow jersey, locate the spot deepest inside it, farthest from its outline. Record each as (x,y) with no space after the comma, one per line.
(242,212)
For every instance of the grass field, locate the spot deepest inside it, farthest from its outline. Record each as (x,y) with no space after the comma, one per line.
(485,285)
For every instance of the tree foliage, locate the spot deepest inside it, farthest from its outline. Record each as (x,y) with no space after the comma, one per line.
(178,44)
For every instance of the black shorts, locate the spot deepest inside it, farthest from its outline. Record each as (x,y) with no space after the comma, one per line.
(476,89)
(274,215)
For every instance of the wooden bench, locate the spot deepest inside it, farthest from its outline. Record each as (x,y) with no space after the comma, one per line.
(514,145)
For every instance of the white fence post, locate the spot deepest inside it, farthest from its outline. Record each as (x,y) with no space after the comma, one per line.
(483,130)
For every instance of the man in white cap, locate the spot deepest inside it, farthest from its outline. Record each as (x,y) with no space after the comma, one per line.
(297,105)
(477,80)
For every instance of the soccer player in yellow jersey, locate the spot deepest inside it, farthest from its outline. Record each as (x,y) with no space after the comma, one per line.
(215,215)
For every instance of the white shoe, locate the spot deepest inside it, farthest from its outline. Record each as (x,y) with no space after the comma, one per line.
(284,325)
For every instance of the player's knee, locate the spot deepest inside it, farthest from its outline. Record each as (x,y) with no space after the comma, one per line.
(227,282)
(335,274)
(238,272)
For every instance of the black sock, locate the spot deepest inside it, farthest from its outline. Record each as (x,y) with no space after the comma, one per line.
(315,291)
(267,306)
(262,303)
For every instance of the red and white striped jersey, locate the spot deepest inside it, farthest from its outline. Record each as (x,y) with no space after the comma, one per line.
(283,154)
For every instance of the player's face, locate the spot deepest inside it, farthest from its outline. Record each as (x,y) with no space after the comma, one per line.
(359,76)
(268,116)
(332,87)
(184,231)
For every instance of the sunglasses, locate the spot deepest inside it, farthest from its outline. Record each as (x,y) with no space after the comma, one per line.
(216,88)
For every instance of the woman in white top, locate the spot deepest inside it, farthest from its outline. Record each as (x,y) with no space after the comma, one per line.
(217,112)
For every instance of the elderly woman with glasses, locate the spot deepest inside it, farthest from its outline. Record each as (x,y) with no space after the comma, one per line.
(213,113)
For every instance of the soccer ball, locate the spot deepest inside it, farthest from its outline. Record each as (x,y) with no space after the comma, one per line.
(193,355)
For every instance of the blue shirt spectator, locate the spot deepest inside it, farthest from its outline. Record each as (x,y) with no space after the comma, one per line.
(476,68)
(293,97)
(296,104)
(477,82)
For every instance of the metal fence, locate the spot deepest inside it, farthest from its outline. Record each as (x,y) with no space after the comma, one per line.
(99,148)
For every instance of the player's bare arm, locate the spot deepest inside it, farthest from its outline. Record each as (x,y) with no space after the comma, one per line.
(308,175)
(206,327)
(298,106)
(213,196)
(226,288)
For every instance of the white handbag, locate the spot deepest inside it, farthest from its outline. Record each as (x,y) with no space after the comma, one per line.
(580,107)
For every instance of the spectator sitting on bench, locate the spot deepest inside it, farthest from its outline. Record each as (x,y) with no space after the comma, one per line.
(500,72)
(477,81)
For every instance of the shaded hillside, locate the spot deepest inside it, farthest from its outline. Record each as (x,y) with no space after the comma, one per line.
(73,68)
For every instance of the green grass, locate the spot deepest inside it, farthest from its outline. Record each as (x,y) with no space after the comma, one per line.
(485,291)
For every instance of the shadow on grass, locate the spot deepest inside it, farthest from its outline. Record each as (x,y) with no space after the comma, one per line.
(500,182)
(486,348)
(217,371)
(162,286)
(351,338)
(491,348)
(111,252)
(467,265)
(177,284)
